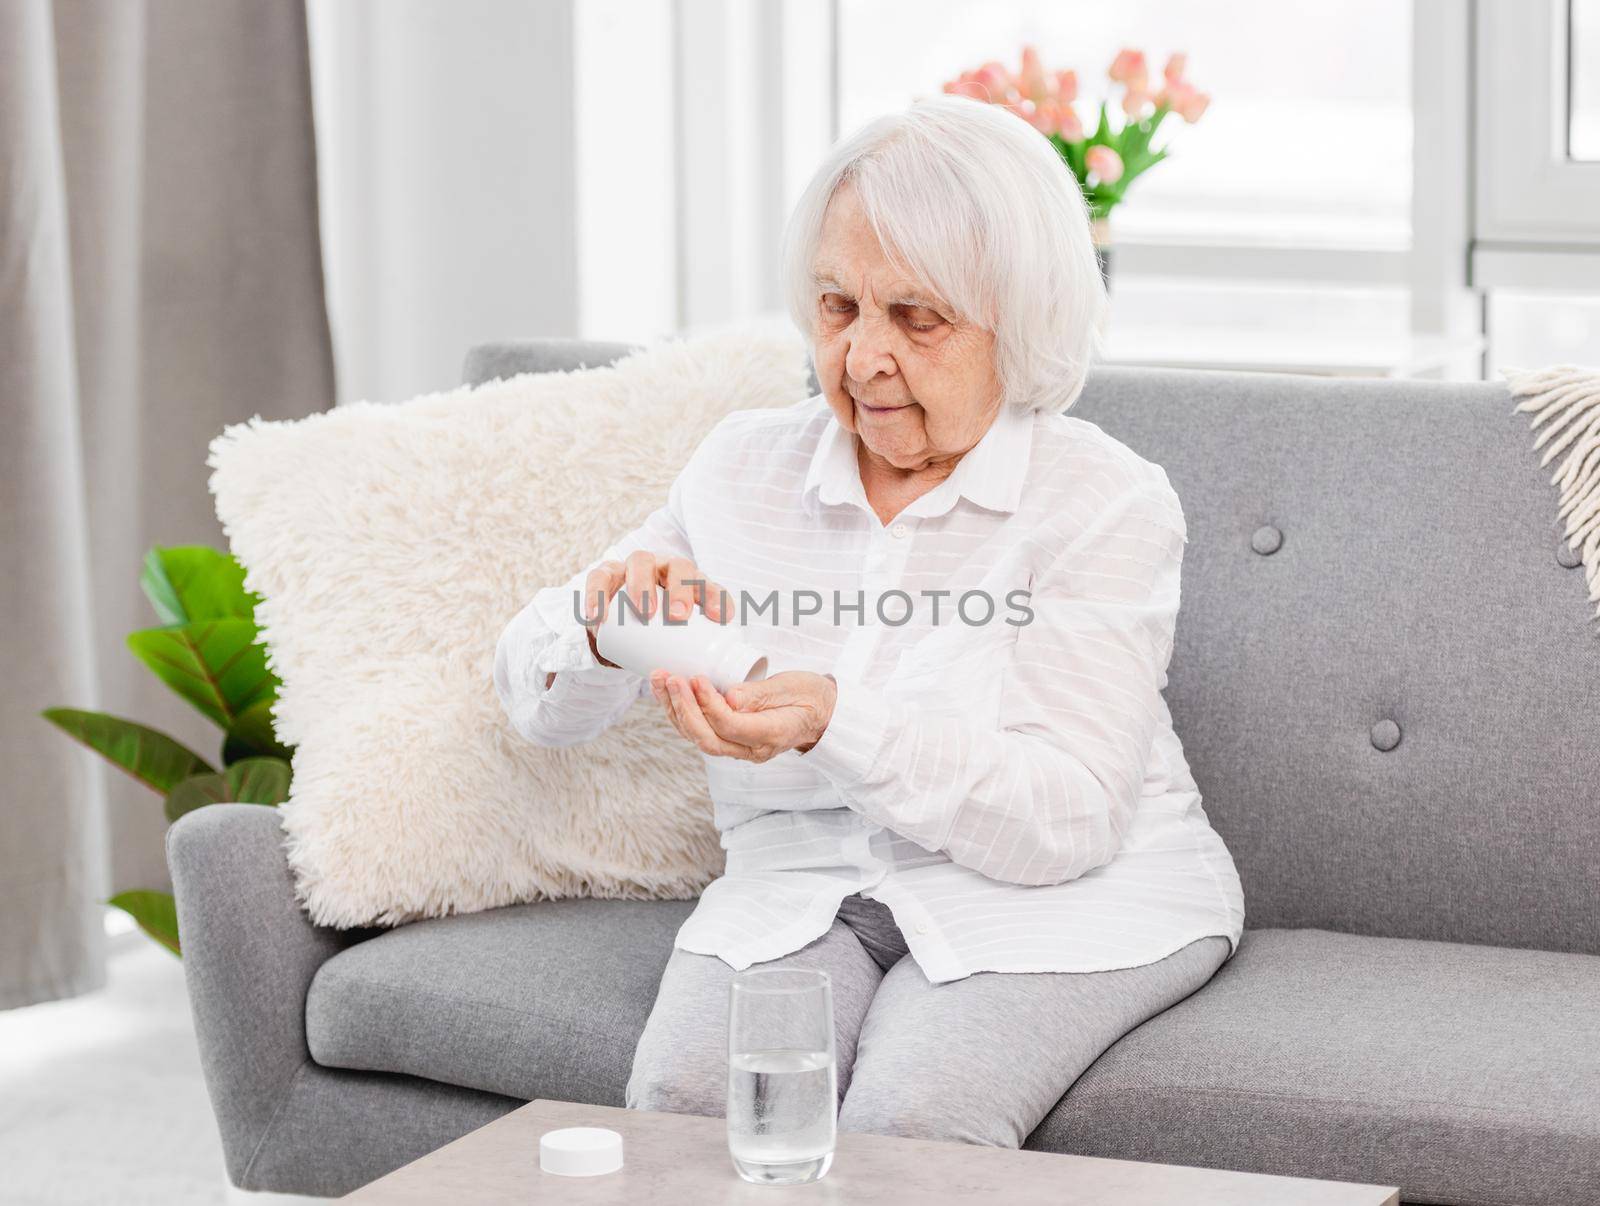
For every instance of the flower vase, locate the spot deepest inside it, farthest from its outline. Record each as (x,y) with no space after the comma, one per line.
(1100,228)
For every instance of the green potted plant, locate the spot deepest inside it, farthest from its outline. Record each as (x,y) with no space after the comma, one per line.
(1113,156)
(206,648)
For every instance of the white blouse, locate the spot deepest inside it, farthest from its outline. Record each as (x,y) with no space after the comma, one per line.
(1013,791)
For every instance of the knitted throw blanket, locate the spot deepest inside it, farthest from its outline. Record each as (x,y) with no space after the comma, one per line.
(1565,401)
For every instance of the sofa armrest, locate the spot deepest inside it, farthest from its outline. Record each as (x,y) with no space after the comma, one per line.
(249,953)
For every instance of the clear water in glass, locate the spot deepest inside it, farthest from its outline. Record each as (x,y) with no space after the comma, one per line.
(782,1078)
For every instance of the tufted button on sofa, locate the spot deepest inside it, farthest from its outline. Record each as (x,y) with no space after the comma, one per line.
(1385,735)
(1416,1000)
(1266,540)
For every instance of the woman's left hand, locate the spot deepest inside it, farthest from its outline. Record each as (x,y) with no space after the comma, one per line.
(754,721)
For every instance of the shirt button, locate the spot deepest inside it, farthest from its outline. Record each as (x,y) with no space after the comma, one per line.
(922,927)
(898,531)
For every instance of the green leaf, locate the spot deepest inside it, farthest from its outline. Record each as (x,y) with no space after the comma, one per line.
(1102,195)
(1134,171)
(194,793)
(1073,152)
(153,758)
(252,781)
(156,913)
(193,582)
(215,664)
(1102,133)
(260,781)
(252,735)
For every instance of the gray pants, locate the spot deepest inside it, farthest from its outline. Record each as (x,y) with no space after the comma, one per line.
(979,1060)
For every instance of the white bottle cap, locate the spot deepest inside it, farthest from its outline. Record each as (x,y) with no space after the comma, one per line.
(739,663)
(580,1151)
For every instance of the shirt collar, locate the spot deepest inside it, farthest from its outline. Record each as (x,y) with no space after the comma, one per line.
(990,474)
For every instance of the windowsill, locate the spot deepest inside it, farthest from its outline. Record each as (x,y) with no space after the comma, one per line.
(1266,351)
(1351,262)
(1267,232)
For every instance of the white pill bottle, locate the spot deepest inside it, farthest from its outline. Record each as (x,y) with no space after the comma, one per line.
(694,646)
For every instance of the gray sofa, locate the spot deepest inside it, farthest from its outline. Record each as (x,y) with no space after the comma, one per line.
(1387,681)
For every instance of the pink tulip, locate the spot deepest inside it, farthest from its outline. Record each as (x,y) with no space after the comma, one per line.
(996,79)
(1191,105)
(1136,103)
(1103,163)
(1031,80)
(1175,67)
(1053,117)
(1128,66)
(1066,86)
(967,88)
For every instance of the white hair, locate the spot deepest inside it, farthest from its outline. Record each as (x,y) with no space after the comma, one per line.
(975,203)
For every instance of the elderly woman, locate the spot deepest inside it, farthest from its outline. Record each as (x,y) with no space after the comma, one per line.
(965,802)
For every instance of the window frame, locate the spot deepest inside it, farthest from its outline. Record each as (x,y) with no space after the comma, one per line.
(1323,261)
(1529,191)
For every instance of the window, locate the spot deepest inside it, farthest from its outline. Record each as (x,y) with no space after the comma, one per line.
(1538,175)
(1307,141)
(1528,329)
(1583,79)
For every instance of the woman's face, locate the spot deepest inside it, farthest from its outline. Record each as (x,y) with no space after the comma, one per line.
(899,369)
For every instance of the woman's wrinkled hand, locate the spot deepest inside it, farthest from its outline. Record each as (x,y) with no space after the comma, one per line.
(640,577)
(753,721)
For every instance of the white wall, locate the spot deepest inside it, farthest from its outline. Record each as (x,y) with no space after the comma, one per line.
(447,153)
(611,169)
(624,176)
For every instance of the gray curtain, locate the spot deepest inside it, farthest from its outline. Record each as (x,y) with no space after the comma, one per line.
(160,276)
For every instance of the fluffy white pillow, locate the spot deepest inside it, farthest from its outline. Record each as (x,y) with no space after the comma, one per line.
(391,545)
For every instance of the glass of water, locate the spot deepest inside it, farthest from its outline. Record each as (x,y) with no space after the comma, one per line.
(782,1080)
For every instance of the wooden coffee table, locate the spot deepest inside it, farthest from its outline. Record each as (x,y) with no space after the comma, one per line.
(672,1158)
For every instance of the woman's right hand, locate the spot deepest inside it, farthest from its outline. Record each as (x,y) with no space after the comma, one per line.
(641,576)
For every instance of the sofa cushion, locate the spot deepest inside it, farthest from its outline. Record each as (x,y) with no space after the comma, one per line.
(391,545)
(1463,1074)
(1403,665)
(538,1000)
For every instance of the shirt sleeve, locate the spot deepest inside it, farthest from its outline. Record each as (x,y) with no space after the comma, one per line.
(546,636)
(1049,794)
